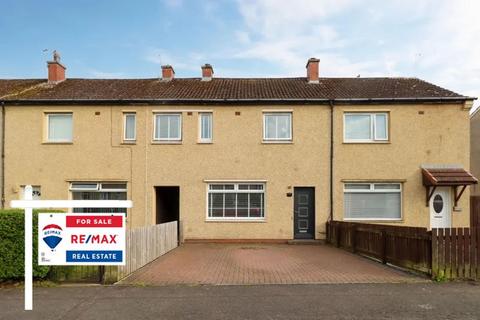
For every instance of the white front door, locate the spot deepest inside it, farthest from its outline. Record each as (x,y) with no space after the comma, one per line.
(440,209)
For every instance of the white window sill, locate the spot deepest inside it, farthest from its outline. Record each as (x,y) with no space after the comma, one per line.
(366,141)
(374,219)
(277,142)
(235,220)
(167,142)
(205,142)
(57,142)
(129,142)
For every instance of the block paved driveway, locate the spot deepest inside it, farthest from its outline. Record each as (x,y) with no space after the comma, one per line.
(248,264)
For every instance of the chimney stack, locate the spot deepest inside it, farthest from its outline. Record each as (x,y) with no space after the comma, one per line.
(167,73)
(207,72)
(312,70)
(56,70)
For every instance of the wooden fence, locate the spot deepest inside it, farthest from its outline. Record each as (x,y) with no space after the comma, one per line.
(143,245)
(406,247)
(456,253)
(475,211)
(450,253)
(146,244)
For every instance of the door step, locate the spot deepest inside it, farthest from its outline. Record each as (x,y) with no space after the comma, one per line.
(306,241)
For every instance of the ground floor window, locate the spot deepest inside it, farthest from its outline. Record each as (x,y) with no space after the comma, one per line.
(98,191)
(372,201)
(236,201)
(36,193)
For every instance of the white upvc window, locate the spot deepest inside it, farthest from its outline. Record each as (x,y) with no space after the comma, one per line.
(205,127)
(372,201)
(59,127)
(98,191)
(277,126)
(236,201)
(168,127)
(129,126)
(36,193)
(365,127)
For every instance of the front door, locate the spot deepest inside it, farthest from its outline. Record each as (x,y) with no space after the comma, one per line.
(440,209)
(304,213)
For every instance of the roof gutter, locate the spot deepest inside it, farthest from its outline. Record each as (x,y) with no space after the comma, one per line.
(238,101)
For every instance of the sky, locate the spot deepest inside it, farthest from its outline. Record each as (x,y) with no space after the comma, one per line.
(435,40)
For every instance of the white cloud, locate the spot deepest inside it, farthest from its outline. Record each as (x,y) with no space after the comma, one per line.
(438,40)
(274,18)
(162,57)
(242,36)
(106,75)
(287,33)
(181,62)
(173,3)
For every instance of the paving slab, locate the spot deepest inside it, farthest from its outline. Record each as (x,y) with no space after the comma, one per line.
(255,264)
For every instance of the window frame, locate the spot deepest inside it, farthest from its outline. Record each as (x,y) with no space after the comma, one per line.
(97,187)
(277,113)
(373,190)
(37,188)
(47,116)
(180,129)
(200,123)
(125,115)
(236,190)
(373,125)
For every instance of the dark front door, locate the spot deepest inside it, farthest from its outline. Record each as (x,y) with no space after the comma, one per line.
(304,213)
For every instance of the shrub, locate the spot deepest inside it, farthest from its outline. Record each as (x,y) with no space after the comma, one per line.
(12,245)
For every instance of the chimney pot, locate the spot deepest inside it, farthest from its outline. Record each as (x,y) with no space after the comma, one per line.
(312,70)
(167,73)
(56,70)
(207,72)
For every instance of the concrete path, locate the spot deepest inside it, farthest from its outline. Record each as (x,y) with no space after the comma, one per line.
(228,264)
(344,301)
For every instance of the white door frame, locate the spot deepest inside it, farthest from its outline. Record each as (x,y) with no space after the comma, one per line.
(441,199)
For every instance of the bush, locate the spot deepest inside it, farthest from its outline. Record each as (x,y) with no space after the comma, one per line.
(12,245)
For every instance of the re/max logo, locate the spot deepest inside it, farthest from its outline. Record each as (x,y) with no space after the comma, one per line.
(96,239)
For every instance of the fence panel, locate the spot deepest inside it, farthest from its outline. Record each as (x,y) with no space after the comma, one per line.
(406,247)
(458,253)
(475,211)
(146,244)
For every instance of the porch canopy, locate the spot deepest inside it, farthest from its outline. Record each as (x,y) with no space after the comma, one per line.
(455,177)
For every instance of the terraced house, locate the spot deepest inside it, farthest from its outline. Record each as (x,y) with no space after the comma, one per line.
(237,159)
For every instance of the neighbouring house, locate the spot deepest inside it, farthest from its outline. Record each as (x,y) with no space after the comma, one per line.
(475,148)
(250,158)
(10,88)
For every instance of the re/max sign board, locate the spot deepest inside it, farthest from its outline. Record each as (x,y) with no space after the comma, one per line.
(81,239)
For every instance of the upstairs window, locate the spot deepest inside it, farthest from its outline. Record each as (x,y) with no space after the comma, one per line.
(277,126)
(59,127)
(168,127)
(129,127)
(205,119)
(365,127)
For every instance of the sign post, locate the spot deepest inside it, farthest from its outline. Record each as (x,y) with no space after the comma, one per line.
(28,251)
(29,204)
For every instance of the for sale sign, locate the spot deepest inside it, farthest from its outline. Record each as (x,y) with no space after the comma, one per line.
(81,239)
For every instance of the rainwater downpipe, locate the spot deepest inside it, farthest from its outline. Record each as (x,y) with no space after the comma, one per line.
(330,102)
